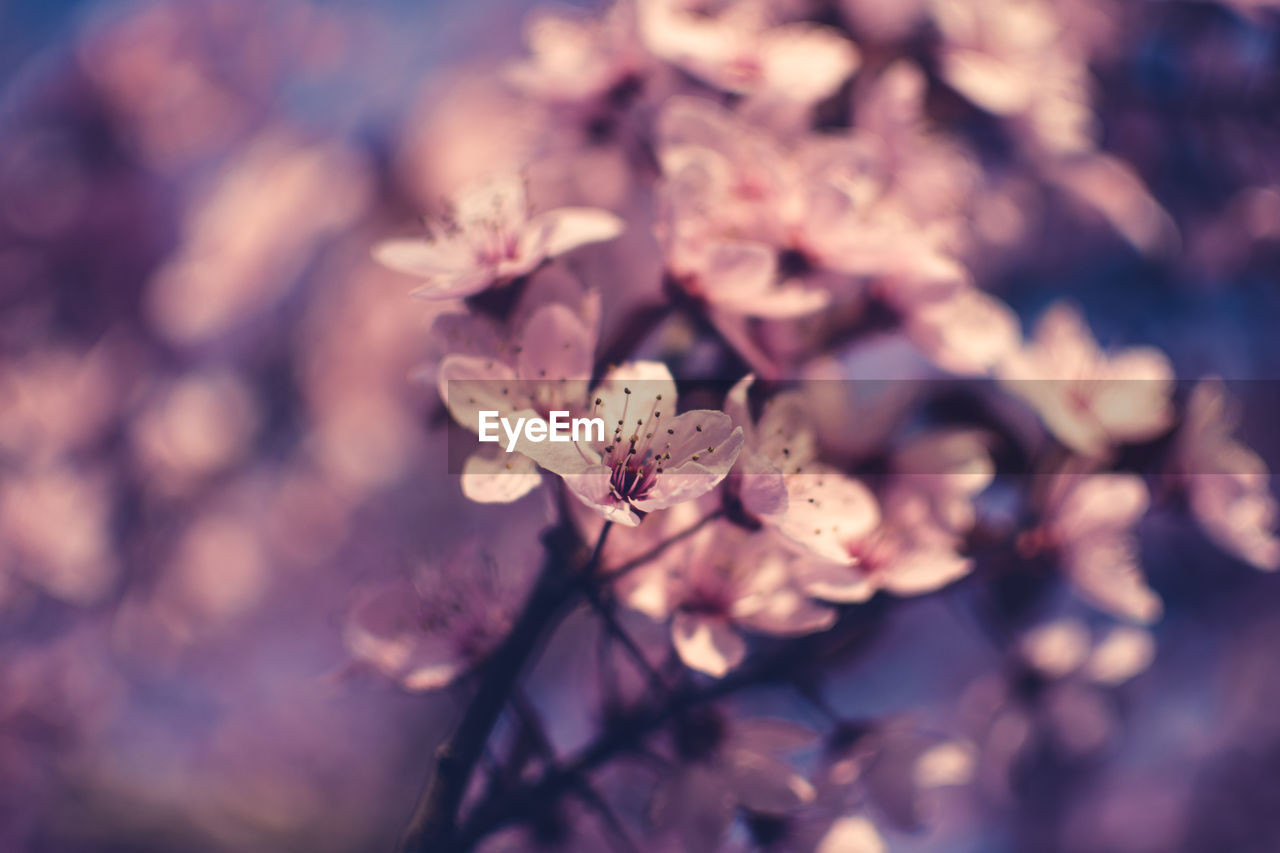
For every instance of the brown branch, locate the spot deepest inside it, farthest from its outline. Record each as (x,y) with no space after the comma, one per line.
(432,828)
(783,663)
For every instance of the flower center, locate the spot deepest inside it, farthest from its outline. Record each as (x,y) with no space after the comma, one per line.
(635,458)
(875,552)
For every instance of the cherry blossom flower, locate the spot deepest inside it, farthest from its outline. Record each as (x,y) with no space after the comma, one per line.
(817,200)
(428,630)
(732,200)
(714,585)
(1088,521)
(724,762)
(1089,399)
(742,51)
(780,481)
(755,228)
(1059,694)
(542,361)
(964,331)
(926,172)
(491,236)
(578,59)
(900,555)
(1013,58)
(913,549)
(1227,483)
(646,462)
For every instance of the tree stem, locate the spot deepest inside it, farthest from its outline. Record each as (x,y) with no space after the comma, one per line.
(433,827)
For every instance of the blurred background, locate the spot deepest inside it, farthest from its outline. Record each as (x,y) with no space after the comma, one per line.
(209,436)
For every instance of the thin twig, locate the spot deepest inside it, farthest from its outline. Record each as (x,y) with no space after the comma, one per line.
(529,718)
(629,731)
(434,823)
(657,550)
(604,609)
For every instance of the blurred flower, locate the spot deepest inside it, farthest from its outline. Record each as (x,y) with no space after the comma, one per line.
(429,630)
(195,427)
(1071,707)
(491,235)
(724,762)
(581,60)
(252,231)
(58,401)
(541,361)
(57,533)
(926,508)
(1087,520)
(1012,58)
(1228,484)
(1089,399)
(741,50)
(716,583)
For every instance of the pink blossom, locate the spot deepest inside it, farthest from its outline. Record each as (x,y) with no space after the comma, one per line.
(741,50)
(781,482)
(577,59)
(540,359)
(895,556)
(718,583)
(491,236)
(1066,647)
(1013,58)
(929,174)
(1088,521)
(1072,710)
(1228,484)
(816,198)
(913,549)
(965,331)
(722,763)
(56,532)
(1089,399)
(737,277)
(425,631)
(647,461)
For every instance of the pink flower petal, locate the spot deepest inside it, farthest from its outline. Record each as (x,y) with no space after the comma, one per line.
(471,384)
(766,784)
(852,834)
(554,346)
(707,644)
(923,571)
(1100,502)
(762,488)
(827,511)
(499,477)
(448,268)
(1105,571)
(567,228)
(836,582)
(806,63)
